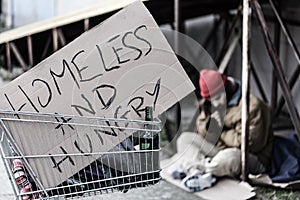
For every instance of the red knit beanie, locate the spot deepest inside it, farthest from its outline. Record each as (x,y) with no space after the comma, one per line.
(211,82)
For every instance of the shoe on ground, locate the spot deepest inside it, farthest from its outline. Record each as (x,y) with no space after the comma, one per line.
(177,172)
(198,182)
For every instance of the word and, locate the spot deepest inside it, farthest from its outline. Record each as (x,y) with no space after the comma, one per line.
(113,132)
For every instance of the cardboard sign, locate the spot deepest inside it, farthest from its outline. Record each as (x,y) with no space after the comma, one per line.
(113,70)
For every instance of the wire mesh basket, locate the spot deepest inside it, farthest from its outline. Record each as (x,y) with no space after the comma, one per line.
(54,156)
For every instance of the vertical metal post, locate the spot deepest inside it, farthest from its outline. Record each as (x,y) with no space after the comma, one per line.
(8,56)
(55,39)
(274,93)
(9,15)
(274,78)
(178,23)
(30,53)
(179,27)
(277,66)
(256,79)
(245,85)
(86,24)
(294,47)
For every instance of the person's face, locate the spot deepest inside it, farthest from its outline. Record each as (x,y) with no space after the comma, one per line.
(218,99)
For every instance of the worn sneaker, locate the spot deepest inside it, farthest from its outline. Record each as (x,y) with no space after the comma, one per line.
(198,182)
(177,172)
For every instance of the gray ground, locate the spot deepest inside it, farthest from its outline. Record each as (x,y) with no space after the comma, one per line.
(160,191)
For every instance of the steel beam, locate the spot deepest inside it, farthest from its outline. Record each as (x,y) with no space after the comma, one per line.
(228,37)
(245,86)
(55,39)
(179,27)
(292,82)
(61,37)
(30,53)
(274,94)
(277,66)
(228,54)
(8,56)
(294,47)
(18,55)
(47,45)
(178,20)
(86,24)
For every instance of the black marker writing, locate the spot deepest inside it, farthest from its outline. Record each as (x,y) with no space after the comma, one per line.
(106,104)
(49,92)
(81,70)
(27,97)
(121,117)
(90,108)
(20,108)
(131,46)
(98,132)
(90,145)
(57,164)
(116,50)
(103,61)
(113,38)
(111,133)
(138,109)
(61,75)
(143,39)
(155,92)
(63,122)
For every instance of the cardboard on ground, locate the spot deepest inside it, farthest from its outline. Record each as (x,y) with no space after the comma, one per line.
(118,67)
(225,188)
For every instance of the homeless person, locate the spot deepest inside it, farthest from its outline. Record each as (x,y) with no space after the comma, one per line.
(215,150)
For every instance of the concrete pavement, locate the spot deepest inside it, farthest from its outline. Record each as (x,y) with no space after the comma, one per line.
(160,191)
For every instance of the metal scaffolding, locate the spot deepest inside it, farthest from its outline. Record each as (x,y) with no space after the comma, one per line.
(234,35)
(278,70)
(21,50)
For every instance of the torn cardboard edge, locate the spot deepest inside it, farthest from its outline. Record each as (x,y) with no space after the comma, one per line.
(265,180)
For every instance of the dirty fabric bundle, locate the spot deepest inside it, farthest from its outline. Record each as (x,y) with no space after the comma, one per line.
(286,159)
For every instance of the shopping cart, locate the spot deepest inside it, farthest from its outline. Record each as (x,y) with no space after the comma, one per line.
(57,156)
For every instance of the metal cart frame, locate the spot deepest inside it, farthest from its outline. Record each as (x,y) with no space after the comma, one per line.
(121,167)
